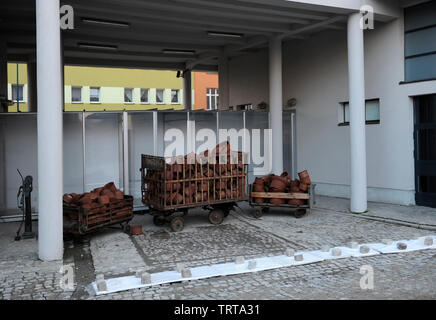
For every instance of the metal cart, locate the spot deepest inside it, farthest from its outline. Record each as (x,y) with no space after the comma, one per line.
(168,188)
(79,221)
(299,211)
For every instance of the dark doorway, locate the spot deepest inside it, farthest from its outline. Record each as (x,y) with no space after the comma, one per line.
(425,150)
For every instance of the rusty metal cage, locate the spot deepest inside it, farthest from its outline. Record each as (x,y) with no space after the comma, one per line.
(177,183)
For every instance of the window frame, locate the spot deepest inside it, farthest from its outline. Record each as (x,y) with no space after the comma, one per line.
(212,95)
(163,96)
(127,102)
(81,94)
(178,96)
(14,99)
(148,96)
(99,95)
(368,122)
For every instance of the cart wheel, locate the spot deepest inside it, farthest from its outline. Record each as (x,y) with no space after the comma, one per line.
(159,221)
(299,213)
(177,224)
(126,228)
(258,213)
(216,216)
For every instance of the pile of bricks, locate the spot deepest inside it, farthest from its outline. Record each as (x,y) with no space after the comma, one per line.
(98,206)
(282,184)
(213,175)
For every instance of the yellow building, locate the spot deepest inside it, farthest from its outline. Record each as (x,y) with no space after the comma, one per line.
(99,89)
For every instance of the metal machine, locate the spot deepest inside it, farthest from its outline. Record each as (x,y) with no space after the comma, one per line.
(24,204)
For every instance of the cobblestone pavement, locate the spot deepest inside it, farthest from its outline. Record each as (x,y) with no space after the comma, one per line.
(396,276)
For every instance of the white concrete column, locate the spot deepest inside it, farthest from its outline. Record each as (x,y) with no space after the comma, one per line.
(276,102)
(223,79)
(356,78)
(50,155)
(187,90)
(3,72)
(32,95)
(126,152)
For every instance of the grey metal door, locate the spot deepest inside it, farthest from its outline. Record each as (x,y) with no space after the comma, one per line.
(425,150)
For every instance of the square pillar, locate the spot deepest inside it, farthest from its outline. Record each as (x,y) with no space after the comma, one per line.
(50,141)
(3,75)
(356,78)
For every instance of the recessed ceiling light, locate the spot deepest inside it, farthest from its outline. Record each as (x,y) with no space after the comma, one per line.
(224,34)
(97,46)
(110,23)
(175,51)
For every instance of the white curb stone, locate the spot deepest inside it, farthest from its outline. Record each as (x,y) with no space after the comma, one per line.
(186,273)
(354,245)
(428,241)
(180,267)
(239,260)
(364,249)
(145,278)
(101,285)
(336,252)
(252,265)
(290,252)
(299,257)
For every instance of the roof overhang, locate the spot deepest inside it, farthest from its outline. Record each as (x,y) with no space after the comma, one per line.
(177,34)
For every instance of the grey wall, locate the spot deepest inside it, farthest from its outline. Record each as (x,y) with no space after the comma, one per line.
(315,72)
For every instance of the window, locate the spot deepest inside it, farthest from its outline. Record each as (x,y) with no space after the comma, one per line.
(159,96)
(144,96)
(20,93)
(175,96)
(76,94)
(94,95)
(212,97)
(372,112)
(419,42)
(128,95)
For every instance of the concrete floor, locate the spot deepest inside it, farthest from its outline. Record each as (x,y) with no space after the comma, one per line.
(114,253)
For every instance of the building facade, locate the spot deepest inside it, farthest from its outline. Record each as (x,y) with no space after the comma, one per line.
(114,89)
(400,83)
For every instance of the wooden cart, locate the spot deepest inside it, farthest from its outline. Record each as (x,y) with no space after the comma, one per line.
(165,189)
(79,221)
(299,211)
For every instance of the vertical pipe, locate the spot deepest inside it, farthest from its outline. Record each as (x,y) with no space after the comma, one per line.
(187,90)
(155,135)
(84,149)
(50,144)
(126,152)
(31,86)
(223,78)
(18,89)
(276,102)
(356,78)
